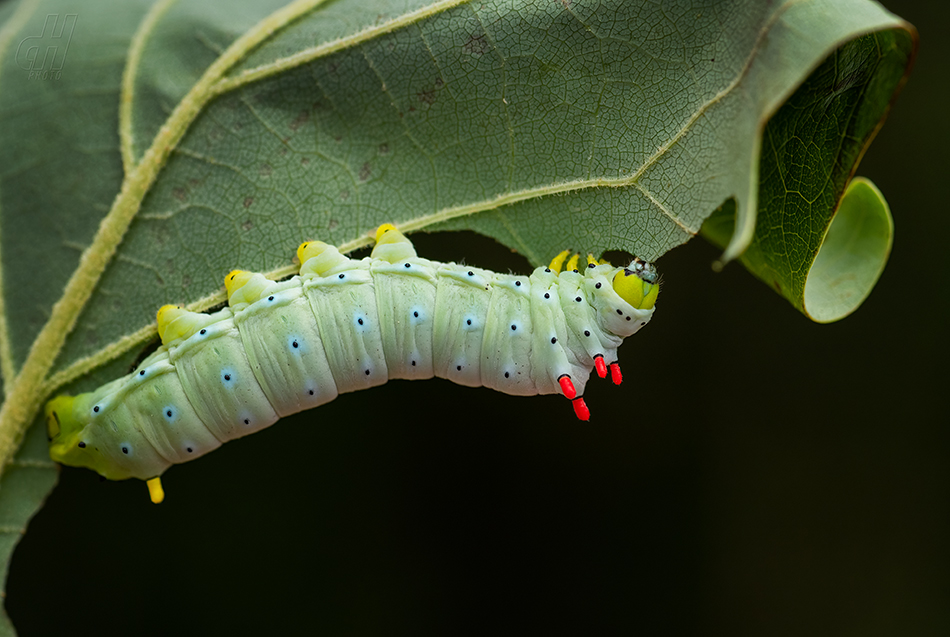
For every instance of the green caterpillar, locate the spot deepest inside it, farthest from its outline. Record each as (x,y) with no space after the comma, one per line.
(342,325)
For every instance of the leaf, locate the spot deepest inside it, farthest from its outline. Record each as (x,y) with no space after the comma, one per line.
(246,127)
(853,254)
(822,242)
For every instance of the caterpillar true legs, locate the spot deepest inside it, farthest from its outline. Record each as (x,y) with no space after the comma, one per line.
(341,325)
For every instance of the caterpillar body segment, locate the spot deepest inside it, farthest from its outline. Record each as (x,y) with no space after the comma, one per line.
(294,358)
(342,325)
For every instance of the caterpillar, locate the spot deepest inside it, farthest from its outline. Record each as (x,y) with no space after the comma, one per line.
(342,325)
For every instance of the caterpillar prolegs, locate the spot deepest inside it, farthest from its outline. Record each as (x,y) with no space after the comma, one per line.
(342,325)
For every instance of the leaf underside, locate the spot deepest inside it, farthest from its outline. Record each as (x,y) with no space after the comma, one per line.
(811,148)
(590,125)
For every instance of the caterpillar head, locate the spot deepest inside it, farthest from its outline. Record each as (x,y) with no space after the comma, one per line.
(638,284)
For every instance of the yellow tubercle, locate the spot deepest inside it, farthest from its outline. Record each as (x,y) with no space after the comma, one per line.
(591,260)
(317,257)
(392,245)
(155,490)
(300,250)
(572,263)
(166,316)
(176,322)
(235,280)
(310,249)
(246,287)
(558,261)
(388,234)
(383,229)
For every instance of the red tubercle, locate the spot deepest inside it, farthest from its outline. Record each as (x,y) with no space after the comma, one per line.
(600,365)
(580,408)
(567,387)
(615,374)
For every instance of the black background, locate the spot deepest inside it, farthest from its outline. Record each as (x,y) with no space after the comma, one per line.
(755,474)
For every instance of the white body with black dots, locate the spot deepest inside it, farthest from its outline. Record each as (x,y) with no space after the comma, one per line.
(342,325)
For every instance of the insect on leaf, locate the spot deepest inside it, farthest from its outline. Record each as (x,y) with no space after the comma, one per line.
(154,149)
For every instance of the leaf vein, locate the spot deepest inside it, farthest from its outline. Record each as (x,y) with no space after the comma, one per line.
(127,91)
(509,127)
(340,44)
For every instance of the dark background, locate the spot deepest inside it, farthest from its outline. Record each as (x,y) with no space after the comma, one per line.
(755,474)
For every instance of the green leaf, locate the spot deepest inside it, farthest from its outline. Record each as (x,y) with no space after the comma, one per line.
(852,256)
(181,140)
(822,242)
